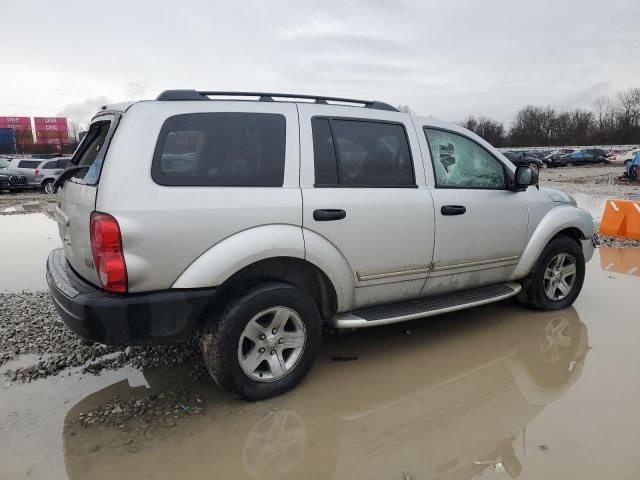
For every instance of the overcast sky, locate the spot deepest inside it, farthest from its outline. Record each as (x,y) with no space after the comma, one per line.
(442,58)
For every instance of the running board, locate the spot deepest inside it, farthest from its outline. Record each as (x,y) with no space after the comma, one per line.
(425,307)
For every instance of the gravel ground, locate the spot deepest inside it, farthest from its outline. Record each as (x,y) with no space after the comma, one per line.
(598,180)
(29,197)
(31,326)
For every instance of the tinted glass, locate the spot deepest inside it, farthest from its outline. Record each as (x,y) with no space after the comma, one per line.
(459,162)
(29,164)
(221,149)
(372,153)
(324,154)
(62,163)
(49,165)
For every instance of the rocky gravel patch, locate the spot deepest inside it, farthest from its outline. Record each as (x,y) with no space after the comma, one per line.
(30,198)
(618,242)
(31,326)
(598,180)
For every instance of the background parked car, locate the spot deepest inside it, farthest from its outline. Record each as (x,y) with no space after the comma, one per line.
(551,159)
(624,158)
(538,154)
(28,168)
(523,159)
(43,156)
(596,152)
(632,168)
(48,171)
(580,157)
(16,180)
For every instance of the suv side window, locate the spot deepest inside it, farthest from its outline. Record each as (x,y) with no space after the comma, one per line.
(29,163)
(363,153)
(459,162)
(49,165)
(221,149)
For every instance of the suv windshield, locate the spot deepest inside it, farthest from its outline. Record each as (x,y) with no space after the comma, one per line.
(4,163)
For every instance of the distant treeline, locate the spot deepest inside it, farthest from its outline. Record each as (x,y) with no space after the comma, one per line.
(610,121)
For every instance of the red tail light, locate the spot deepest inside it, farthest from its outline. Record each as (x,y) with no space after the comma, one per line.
(37,172)
(108,257)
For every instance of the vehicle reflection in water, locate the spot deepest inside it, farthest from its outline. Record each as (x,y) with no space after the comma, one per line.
(446,399)
(620,260)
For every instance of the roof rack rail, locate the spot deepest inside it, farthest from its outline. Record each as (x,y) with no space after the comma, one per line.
(190,95)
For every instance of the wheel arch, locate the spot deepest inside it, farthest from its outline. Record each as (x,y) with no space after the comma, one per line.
(565,220)
(293,271)
(276,252)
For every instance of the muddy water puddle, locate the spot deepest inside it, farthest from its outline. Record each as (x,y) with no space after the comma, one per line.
(25,243)
(496,391)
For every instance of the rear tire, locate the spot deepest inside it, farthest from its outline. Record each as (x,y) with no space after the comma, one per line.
(263,342)
(557,277)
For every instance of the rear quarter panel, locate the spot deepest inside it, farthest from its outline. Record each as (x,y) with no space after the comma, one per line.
(166,228)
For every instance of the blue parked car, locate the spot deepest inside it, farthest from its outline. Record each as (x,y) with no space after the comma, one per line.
(632,169)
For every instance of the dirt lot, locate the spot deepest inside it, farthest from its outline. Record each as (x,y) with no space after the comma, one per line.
(25,201)
(490,390)
(597,180)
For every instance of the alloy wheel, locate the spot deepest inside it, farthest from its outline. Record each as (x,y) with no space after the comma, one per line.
(271,344)
(559,276)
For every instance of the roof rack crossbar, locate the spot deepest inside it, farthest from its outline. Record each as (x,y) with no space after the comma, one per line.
(269,97)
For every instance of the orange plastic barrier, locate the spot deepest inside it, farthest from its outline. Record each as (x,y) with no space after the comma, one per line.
(621,218)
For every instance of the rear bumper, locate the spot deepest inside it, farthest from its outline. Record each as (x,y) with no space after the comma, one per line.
(160,317)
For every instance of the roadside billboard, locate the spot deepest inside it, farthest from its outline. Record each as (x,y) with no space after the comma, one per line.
(51,130)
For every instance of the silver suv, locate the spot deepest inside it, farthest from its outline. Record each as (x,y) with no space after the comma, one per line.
(256,223)
(47,172)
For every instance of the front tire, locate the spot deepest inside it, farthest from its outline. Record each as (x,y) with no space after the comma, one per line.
(264,342)
(557,277)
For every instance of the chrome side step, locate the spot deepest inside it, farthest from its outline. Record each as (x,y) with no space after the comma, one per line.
(425,307)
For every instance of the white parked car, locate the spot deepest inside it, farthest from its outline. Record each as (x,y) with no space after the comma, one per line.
(259,222)
(624,158)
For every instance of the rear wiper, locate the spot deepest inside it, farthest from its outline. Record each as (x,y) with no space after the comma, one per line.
(67,173)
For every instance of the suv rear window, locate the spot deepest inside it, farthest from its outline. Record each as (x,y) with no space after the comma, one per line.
(361,153)
(29,163)
(221,149)
(91,152)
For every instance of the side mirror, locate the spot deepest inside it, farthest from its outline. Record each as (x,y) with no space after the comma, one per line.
(524,177)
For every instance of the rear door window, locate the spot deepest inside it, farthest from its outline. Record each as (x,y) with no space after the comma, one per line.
(361,153)
(221,149)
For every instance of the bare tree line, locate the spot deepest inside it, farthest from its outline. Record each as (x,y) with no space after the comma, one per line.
(611,121)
